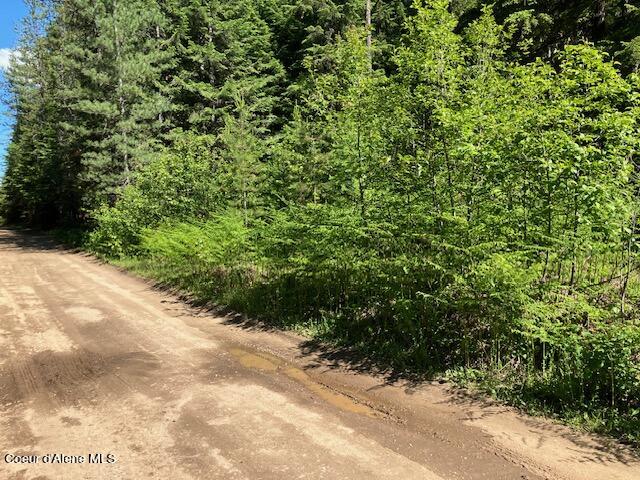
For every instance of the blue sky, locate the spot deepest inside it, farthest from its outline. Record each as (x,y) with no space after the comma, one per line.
(11,11)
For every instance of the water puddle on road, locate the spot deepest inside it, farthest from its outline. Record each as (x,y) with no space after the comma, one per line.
(260,362)
(269,363)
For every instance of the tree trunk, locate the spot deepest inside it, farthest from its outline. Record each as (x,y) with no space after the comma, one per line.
(625,283)
(368,25)
(121,99)
(599,19)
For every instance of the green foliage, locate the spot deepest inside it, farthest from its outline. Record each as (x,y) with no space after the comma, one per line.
(177,185)
(221,240)
(88,110)
(541,28)
(241,168)
(223,51)
(465,201)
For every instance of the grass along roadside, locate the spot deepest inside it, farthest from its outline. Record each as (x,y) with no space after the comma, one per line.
(253,291)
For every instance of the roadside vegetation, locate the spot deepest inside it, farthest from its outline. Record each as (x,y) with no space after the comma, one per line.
(450,191)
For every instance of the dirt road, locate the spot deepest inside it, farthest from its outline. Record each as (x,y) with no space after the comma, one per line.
(95,361)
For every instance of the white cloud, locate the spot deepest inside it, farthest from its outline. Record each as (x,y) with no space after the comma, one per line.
(5,57)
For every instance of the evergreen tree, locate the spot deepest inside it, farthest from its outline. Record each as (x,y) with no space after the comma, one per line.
(35,181)
(224,51)
(241,172)
(542,28)
(118,99)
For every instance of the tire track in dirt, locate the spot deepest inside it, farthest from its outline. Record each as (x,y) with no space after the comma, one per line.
(97,361)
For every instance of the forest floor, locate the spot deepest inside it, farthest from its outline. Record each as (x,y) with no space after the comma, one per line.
(93,360)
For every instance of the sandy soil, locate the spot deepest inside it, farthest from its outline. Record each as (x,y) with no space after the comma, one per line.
(93,360)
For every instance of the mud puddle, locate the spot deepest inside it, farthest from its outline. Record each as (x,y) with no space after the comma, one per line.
(269,363)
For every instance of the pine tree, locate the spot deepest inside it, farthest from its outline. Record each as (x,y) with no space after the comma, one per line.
(542,28)
(38,187)
(224,51)
(118,99)
(242,169)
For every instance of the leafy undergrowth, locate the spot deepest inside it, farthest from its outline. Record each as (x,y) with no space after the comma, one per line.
(71,237)
(585,377)
(534,397)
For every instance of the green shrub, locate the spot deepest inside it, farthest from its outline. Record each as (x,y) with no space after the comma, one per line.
(220,240)
(177,185)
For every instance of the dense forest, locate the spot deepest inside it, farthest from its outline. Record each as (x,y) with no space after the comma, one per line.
(449,187)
